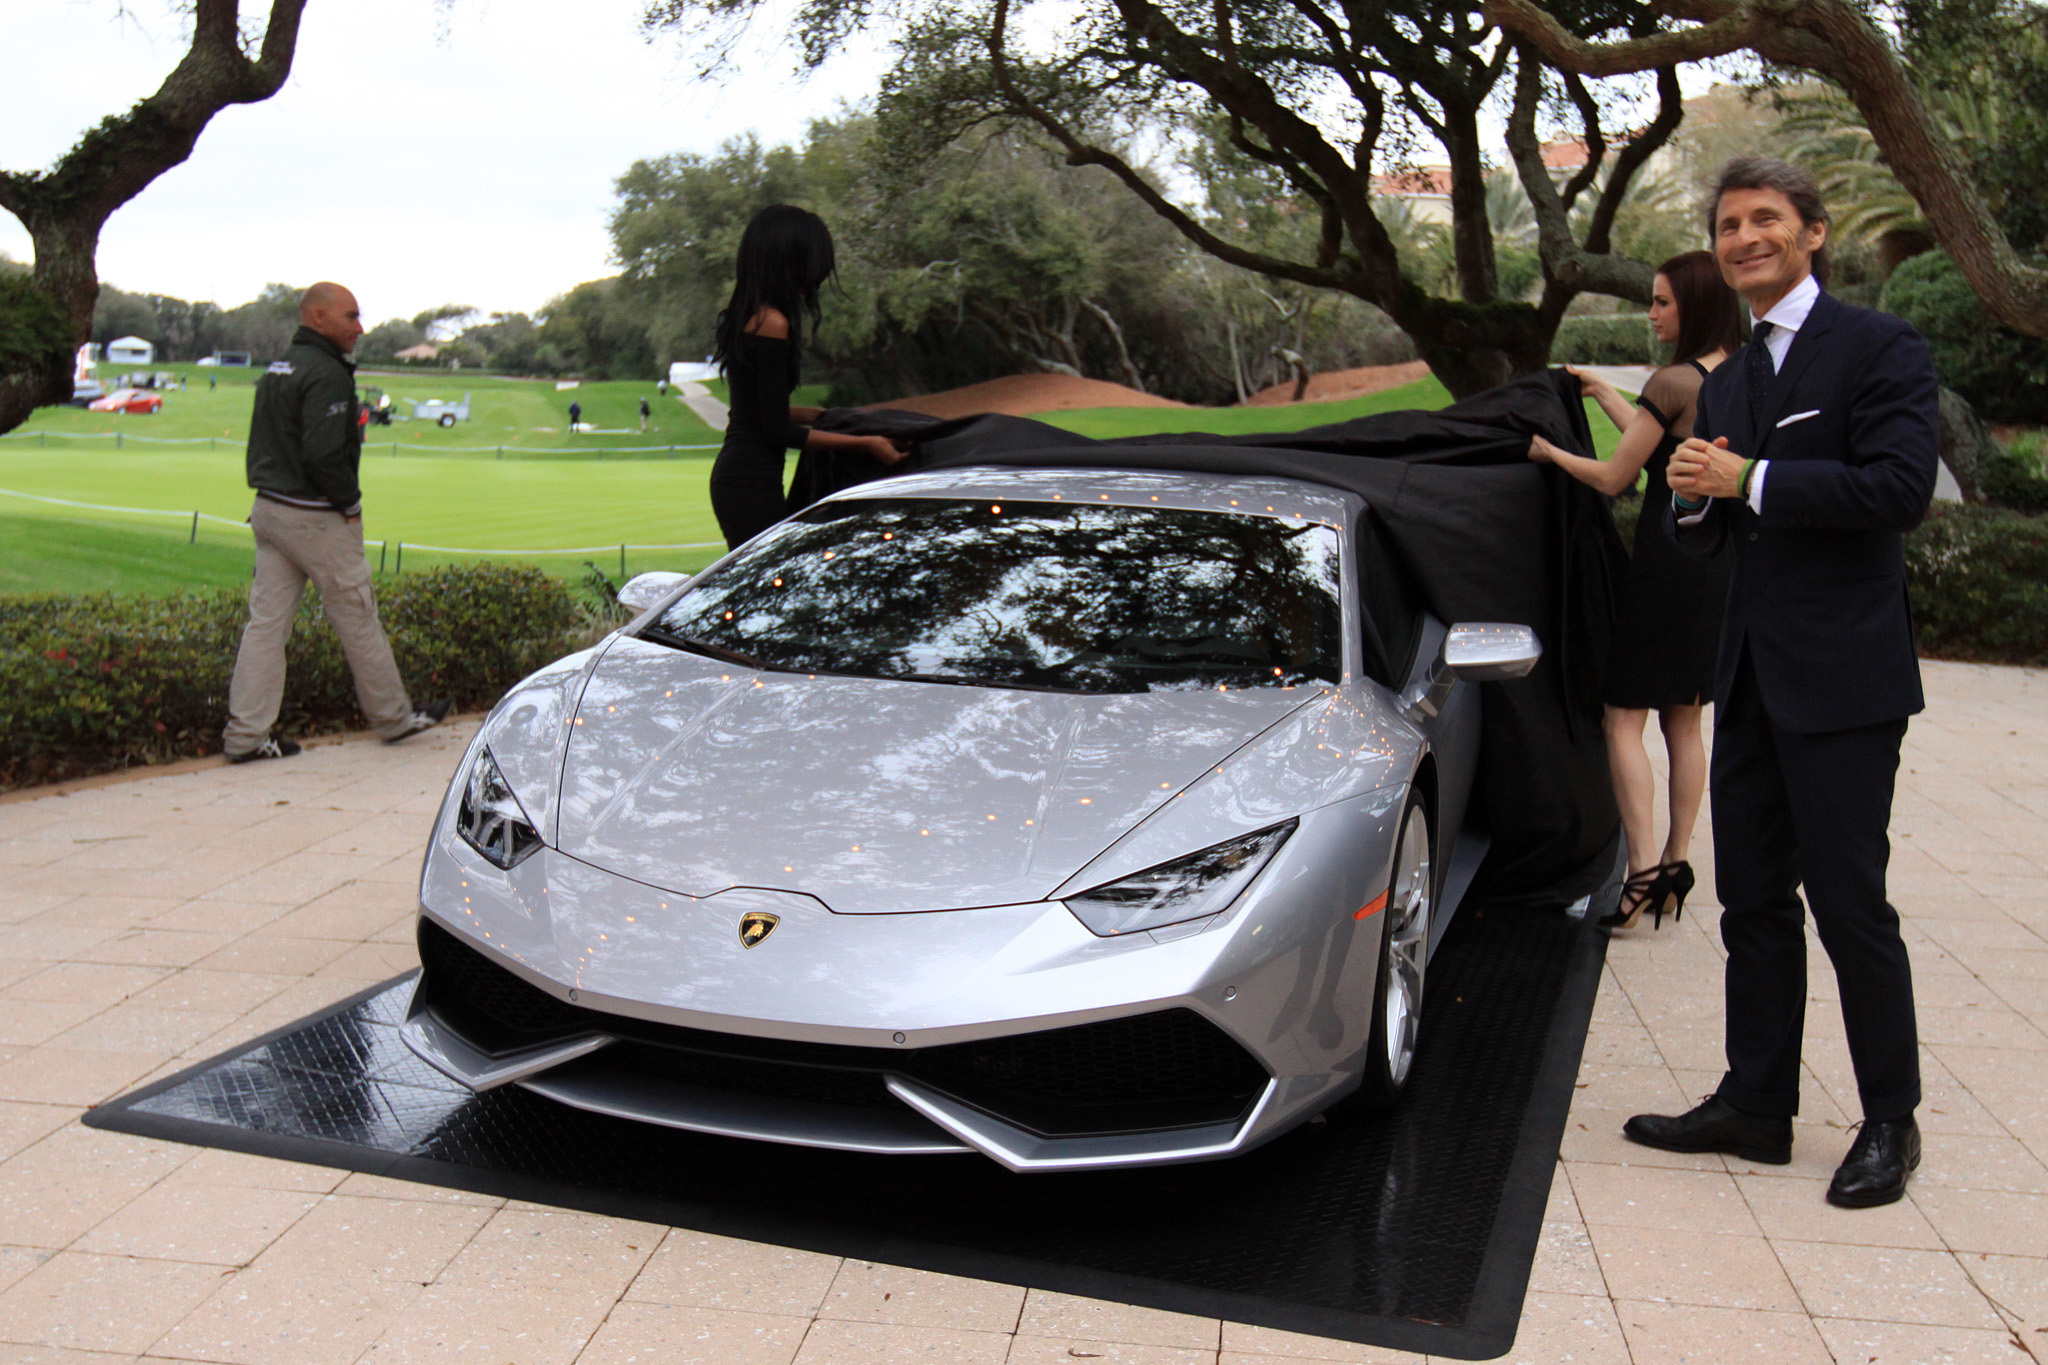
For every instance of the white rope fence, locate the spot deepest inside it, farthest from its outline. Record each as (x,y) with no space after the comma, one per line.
(119,438)
(382,545)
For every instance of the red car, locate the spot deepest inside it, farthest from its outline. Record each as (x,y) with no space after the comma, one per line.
(127,400)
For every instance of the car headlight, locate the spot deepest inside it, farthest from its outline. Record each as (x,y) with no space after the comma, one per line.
(1199,885)
(490,820)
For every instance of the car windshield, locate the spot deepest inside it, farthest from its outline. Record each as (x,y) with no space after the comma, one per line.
(1083,597)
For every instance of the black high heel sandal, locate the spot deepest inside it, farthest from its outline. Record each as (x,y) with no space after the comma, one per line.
(1678,885)
(1639,893)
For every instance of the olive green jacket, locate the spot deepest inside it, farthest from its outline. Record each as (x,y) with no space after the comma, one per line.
(306,437)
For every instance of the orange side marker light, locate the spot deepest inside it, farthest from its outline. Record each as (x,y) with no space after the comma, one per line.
(1373,907)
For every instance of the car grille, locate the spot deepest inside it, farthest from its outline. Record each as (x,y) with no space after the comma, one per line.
(1146,1072)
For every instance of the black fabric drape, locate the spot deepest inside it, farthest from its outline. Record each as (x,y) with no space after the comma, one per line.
(1487,534)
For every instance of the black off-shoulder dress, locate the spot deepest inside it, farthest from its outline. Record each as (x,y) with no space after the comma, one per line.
(1667,624)
(746,478)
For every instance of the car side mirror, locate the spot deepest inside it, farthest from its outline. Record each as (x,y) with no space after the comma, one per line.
(1474,651)
(646,590)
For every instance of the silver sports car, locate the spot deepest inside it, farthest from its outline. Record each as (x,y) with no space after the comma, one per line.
(1077,817)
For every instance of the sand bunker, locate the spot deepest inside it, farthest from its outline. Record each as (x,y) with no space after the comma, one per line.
(1338,384)
(1019,395)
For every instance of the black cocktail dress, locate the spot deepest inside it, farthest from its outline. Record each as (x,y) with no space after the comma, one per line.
(746,478)
(1667,626)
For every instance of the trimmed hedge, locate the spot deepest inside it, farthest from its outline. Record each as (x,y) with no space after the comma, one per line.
(99,682)
(1980,584)
(1623,339)
(2003,373)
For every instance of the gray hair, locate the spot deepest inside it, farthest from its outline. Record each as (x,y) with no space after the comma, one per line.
(1796,183)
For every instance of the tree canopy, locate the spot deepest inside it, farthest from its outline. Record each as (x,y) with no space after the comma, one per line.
(1322,98)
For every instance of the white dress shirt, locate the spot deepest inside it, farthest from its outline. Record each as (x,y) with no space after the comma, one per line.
(1786,317)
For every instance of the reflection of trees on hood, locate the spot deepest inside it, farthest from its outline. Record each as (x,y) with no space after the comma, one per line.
(1094,598)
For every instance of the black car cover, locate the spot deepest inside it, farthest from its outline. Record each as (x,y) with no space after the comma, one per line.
(1485,533)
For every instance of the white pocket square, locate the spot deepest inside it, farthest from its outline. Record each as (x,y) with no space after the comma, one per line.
(1799,417)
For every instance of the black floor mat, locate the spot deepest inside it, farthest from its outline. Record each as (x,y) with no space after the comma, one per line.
(1413,1231)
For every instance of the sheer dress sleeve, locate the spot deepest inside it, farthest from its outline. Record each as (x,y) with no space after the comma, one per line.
(1671,395)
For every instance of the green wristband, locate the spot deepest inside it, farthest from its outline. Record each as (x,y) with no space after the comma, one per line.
(1742,483)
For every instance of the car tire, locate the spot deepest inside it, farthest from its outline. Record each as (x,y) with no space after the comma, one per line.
(447,419)
(1403,964)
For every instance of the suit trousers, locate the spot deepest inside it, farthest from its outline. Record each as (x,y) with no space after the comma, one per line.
(1809,811)
(294,544)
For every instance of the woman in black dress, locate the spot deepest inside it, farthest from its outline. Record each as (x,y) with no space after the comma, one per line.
(785,257)
(1668,622)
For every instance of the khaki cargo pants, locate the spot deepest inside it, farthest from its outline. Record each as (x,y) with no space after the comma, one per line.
(294,544)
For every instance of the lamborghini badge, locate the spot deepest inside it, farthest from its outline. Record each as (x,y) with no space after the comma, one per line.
(756,925)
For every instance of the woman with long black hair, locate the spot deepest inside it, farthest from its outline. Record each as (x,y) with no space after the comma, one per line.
(784,260)
(1667,625)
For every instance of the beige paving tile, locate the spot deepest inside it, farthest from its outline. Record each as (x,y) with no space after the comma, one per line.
(154,948)
(54,1191)
(30,1023)
(1964,1162)
(1704,1269)
(210,991)
(1028,1350)
(239,1170)
(1630,1089)
(1594,1135)
(307,1317)
(351,913)
(384,1187)
(1245,1343)
(85,983)
(491,1326)
(60,1355)
(1641,1196)
(695,1269)
(24,1125)
(2016,1285)
(865,1291)
(102,1303)
(367,962)
(1684,1334)
(1565,1261)
(61,1075)
(552,1249)
(394,1239)
(274,955)
(1560,1328)
(1884,1284)
(666,1334)
(1065,1315)
(187,1221)
(1975,1220)
(158,1032)
(832,1342)
(215,916)
(1892,1343)
(1796,1207)
(16,1262)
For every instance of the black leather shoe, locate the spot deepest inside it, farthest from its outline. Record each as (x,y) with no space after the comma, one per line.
(1879,1160)
(1715,1127)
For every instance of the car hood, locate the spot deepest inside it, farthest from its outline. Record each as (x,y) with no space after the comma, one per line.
(874,796)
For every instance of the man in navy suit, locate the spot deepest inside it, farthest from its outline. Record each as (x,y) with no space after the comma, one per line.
(1814,452)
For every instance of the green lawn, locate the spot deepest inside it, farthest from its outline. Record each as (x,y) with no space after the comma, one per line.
(517,414)
(513,507)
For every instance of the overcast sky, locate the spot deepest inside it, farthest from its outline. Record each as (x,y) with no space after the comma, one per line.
(419,154)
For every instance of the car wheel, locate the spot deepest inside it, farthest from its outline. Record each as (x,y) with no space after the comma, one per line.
(1403,963)
(447,419)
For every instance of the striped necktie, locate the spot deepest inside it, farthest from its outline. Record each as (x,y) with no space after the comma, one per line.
(1759,371)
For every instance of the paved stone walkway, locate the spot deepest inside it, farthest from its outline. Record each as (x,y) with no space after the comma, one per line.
(149,924)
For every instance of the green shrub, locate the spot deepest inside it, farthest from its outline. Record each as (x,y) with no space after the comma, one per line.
(98,682)
(2002,373)
(2014,478)
(1979,584)
(1623,339)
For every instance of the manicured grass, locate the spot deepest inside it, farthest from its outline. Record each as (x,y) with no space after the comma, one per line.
(514,505)
(518,414)
(45,555)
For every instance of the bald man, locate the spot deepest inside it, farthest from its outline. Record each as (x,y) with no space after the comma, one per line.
(305,444)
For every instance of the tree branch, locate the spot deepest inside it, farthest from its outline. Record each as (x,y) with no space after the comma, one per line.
(1835,41)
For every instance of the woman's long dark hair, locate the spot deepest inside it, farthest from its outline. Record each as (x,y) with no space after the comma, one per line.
(785,257)
(1709,315)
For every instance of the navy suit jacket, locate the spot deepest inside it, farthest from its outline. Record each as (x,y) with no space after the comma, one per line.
(1852,429)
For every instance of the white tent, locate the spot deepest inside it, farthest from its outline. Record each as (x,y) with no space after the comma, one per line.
(130,351)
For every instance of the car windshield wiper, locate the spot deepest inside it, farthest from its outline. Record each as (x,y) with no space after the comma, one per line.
(677,640)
